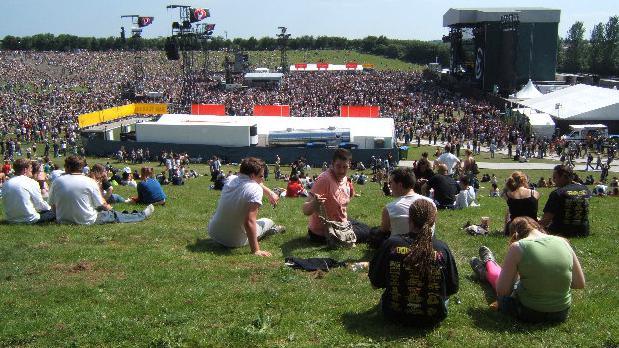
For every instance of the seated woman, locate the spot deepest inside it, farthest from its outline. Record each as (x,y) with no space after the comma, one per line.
(494,191)
(41,178)
(149,189)
(538,272)
(99,173)
(521,200)
(418,272)
(542,182)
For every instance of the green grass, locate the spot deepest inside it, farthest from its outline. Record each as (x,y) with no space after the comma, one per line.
(163,283)
(271,59)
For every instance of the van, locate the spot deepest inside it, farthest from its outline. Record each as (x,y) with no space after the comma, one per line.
(583,132)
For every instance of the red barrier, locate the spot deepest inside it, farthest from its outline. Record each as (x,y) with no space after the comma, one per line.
(208,109)
(272,110)
(322,66)
(300,66)
(359,111)
(351,65)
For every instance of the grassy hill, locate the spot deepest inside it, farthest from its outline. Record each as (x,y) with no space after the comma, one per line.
(163,283)
(270,59)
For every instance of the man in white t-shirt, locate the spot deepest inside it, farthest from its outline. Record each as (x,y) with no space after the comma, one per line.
(395,217)
(22,198)
(235,222)
(77,199)
(448,159)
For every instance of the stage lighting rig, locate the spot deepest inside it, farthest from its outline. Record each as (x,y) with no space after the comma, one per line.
(282,41)
(135,88)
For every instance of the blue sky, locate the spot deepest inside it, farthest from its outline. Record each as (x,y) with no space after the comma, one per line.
(400,19)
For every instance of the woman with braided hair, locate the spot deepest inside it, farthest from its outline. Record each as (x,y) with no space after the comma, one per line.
(417,271)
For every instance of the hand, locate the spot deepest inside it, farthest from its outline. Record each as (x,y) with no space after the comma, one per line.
(316,200)
(273,198)
(263,253)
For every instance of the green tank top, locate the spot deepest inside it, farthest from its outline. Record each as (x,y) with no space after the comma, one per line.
(545,274)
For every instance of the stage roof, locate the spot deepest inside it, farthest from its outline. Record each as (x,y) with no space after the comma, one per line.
(579,102)
(462,16)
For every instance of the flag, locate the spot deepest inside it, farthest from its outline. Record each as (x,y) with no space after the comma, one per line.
(198,14)
(210,27)
(144,21)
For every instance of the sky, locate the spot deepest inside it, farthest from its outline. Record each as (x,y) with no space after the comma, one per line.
(397,19)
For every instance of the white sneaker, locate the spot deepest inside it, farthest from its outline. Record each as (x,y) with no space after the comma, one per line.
(149,210)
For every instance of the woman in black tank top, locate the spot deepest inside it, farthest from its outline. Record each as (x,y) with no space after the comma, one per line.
(523,206)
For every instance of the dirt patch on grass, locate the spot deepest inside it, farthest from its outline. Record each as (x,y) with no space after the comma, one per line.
(86,271)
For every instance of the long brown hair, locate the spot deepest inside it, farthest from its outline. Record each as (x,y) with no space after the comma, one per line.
(516,180)
(521,226)
(422,214)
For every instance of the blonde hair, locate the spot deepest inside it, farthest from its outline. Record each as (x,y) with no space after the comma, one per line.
(521,226)
(516,180)
(147,172)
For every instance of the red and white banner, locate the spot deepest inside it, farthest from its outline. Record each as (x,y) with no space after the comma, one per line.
(272,110)
(360,111)
(208,109)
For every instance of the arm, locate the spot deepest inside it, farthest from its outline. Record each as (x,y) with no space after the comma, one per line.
(272,196)
(39,203)
(385,223)
(578,277)
(509,271)
(250,230)
(546,219)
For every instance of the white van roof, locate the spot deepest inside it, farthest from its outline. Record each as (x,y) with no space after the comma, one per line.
(588,126)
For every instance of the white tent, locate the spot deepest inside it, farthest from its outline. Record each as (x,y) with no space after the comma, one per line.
(542,124)
(528,91)
(578,103)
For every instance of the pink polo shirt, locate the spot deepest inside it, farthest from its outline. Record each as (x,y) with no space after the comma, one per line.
(337,196)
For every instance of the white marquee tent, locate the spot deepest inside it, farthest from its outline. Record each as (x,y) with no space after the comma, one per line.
(542,124)
(578,103)
(528,91)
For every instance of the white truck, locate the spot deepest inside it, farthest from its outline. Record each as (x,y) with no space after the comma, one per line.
(583,132)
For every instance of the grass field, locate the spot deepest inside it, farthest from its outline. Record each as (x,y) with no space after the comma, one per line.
(163,283)
(271,59)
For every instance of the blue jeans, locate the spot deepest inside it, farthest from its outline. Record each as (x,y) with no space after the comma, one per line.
(112,216)
(115,198)
(512,306)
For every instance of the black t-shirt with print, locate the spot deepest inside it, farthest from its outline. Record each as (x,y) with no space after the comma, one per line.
(408,298)
(570,208)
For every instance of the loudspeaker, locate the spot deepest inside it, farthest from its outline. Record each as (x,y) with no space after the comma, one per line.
(171,49)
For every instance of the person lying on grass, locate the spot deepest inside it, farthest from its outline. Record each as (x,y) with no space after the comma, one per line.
(417,271)
(539,269)
(235,222)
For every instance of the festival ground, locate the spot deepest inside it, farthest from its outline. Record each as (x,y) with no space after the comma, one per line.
(163,283)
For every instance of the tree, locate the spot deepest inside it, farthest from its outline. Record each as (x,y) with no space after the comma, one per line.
(611,45)
(596,50)
(576,49)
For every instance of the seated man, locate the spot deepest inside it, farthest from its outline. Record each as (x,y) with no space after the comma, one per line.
(566,212)
(333,191)
(466,197)
(22,198)
(149,189)
(235,222)
(77,199)
(445,188)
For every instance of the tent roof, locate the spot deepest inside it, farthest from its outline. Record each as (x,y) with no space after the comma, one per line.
(536,118)
(579,102)
(463,16)
(528,91)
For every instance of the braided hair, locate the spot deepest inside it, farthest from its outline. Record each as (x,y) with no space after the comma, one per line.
(422,214)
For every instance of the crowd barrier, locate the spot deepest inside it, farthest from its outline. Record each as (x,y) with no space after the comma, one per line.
(272,110)
(208,109)
(106,115)
(359,111)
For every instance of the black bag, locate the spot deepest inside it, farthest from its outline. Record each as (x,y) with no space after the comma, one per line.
(313,263)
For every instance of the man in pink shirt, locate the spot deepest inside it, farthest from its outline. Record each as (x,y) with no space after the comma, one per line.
(333,190)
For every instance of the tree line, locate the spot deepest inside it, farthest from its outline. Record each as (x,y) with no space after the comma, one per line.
(412,51)
(597,55)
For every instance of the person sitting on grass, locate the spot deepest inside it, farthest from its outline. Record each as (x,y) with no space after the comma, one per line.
(494,191)
(294,188)
(445,188)
(99,173)
(417,271)
(567,210)
(394,218)
(149,189)
(77,199)
(520,198)
(467,196)
(22,198)
(235,222)
(539,269)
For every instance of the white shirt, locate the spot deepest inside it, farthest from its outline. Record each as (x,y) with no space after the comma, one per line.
(398,212)
(449,160)
(465,198)
(22,200)
(55,174)
(76,198)
(227,226)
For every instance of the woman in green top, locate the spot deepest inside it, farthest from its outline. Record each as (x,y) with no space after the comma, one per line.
(537,274)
